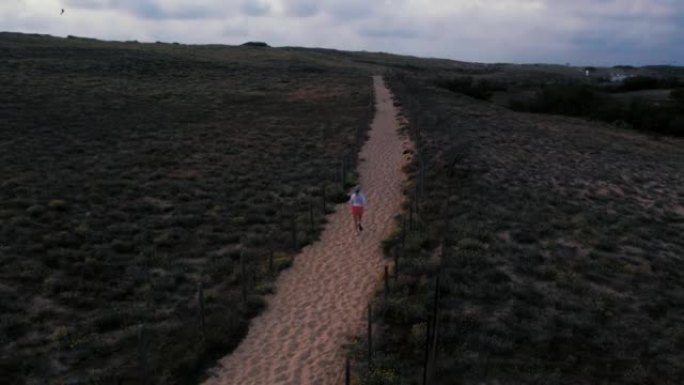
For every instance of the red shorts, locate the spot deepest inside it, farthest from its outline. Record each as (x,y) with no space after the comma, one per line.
(357,210)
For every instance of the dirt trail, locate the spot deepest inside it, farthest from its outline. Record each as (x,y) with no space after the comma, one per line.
(321,300)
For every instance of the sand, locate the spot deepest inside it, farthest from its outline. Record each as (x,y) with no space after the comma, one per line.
(320,302)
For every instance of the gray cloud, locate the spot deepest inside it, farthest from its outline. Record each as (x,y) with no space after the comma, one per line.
(235,30)
(390,33)
(87,4)
(578,31)
(351,9)
(305,8)
(255,8)
(152,9)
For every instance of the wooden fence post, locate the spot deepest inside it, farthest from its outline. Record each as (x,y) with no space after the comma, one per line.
(396,264)
(347,373)
(435,322)
(200,299)
(343,173)
(386,284)
(422,177)
(411,203)
(416,198)
(311,216)
(243,278)
(403,234)
(142,354)
(323,195)
(294,232)
(270,262)
(426,357)
(370,338)
(446,215)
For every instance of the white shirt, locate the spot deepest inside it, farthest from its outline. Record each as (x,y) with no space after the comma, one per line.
(358,199)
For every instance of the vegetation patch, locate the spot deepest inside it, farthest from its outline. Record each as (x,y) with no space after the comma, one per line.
(138,172)
(552,263)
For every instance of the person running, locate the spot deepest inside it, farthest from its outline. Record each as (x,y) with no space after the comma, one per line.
(358,202)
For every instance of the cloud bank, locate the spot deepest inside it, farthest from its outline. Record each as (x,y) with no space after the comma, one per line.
(597,32)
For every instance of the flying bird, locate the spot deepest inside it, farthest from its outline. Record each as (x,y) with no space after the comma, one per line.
(62,12)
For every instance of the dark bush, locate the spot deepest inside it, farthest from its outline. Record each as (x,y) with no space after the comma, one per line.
(676,126)
(678,95)
(481,89)
(654,118)
(255,44)
(109,320)
(638,83)
(585,101)
(573,100)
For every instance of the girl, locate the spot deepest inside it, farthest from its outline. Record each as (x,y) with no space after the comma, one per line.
(358,202)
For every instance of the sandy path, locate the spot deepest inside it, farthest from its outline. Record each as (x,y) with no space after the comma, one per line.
(321,300)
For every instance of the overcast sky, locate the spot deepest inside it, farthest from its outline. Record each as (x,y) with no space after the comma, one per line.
(581,32)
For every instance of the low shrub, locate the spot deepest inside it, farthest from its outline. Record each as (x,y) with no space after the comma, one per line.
(480,89)
(638,83)
(585,101)
(380,376)
(255,44)
(678,96)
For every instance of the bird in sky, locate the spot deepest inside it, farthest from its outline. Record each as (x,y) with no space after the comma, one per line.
(62,12)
